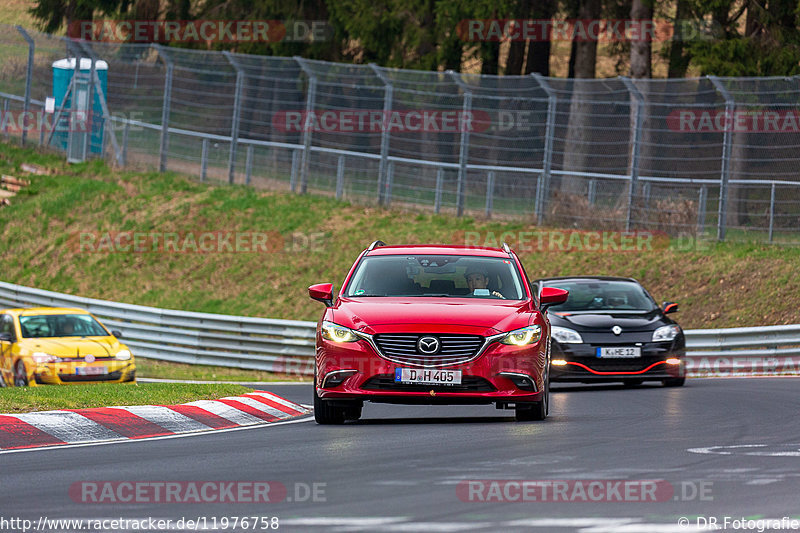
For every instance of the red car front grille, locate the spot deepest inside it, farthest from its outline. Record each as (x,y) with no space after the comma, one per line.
(453,349)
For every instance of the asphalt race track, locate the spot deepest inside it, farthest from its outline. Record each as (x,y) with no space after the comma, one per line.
(716,448)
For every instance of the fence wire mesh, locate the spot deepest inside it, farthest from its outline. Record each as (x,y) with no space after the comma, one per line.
(709,157)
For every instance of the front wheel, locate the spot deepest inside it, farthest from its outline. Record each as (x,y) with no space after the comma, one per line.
(20,375)
(674,382)
(326,414)
(535,410)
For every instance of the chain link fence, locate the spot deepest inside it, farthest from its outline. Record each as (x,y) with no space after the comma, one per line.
(710,157)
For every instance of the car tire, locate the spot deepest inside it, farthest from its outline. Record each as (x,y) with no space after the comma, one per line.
(20,374)
(535,410)
(325,413)
(674,382)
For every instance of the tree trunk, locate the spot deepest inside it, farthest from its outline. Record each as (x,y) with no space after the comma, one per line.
(576,147)
(538,59)
(516,52)
(678,58)
(641,50)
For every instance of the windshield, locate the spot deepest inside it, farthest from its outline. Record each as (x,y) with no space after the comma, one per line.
(436,275)
(35,326)
(603,296)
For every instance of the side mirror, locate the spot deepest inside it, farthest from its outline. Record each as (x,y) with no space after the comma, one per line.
(117,333)
(322,292)
(552,296)
(670,307)
(6,337)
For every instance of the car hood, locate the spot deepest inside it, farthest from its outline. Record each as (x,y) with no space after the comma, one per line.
(74,346)
(377,315)
(646,321)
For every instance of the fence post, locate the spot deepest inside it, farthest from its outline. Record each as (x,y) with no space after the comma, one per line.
(204,159)
(592,191)
(771,210)
(164,142)
(293,172)
(636,139)
(387,200)
(489,193)
(727,145)
(463,151)
(701,211)
(125,134)
(646,194)
(388,95)
(437,199)
(543,183)
(340,178)
(28,76)
(237,107)
(5,120)
(308,123)
(248,165)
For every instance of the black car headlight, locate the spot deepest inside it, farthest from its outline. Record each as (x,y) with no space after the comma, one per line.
(523,336)
(566,335)
(336,333)
(666,333)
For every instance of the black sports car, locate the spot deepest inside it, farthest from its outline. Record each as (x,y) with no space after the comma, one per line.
(611,329)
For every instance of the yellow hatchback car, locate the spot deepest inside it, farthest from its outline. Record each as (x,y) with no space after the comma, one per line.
(60,346)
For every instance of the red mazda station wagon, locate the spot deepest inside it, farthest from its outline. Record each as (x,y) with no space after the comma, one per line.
(428,324)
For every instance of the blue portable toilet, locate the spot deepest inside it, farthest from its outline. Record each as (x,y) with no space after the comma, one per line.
(63,70)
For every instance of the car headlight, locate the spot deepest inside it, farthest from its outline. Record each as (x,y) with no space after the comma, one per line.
(336,333)
(566,335)
(523,336)
(123,355)
(666,333)
(41,357)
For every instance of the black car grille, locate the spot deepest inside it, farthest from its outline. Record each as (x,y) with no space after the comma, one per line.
(386,382)
(111,376)
(454,349)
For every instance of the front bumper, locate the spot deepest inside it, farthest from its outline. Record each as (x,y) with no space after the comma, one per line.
(583,366)
(66,373)
(492,377)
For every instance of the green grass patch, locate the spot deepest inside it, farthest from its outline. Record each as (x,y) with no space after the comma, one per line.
(151,368)
(48,397)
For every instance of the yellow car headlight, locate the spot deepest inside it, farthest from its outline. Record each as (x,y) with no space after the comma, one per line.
(336,333)
(123,355)
(523,336)
(41,357)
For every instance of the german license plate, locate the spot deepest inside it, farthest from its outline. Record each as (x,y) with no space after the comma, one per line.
(427,377)
(619,352)
(90,371)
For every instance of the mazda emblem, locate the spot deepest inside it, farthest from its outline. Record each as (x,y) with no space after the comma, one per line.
(428,345)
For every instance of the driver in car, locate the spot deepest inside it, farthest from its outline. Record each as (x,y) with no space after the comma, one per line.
(478,278)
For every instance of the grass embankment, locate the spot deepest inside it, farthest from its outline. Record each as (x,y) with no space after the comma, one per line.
(314,239)
(43,398)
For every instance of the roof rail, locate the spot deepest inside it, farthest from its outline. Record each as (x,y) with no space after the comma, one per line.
(506,249)
(375,244)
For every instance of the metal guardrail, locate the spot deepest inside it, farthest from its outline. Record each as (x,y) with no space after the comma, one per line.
(187,337)
(288,345)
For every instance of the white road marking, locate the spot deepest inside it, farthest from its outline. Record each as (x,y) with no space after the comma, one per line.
(227,412)
(68,426)
(744,449)
(165,417)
